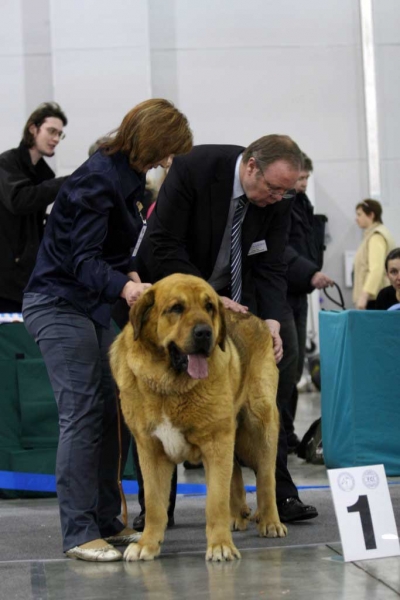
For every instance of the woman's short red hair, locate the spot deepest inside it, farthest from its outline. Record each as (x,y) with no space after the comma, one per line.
(150,132)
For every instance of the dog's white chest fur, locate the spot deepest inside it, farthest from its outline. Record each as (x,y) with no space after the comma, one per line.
(175,445)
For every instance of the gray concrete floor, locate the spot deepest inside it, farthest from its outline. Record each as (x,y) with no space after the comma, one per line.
(287,572)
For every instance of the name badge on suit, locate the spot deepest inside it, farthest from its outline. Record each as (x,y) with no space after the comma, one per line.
(257,247)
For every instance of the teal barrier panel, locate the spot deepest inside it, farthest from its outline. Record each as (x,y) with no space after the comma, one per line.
(360,388)
(28,418)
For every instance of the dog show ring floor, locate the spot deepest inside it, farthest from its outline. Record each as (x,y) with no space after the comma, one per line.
(307,563)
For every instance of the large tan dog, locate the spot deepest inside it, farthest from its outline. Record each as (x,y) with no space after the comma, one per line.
(198,382)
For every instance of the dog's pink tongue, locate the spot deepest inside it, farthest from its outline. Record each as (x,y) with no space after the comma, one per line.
(197,366)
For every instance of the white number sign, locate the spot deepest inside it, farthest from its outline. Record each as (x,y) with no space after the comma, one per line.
(364,512)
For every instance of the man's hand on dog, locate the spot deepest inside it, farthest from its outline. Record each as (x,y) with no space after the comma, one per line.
(232,305)
(274,327)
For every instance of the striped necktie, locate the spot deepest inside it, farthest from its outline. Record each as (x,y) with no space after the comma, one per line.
(236,251)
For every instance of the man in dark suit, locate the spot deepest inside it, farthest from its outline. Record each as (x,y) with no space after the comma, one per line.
(191,231)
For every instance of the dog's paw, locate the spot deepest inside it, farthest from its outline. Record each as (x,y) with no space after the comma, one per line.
(139,551)
(222,552)
(271,529)
(255,516)
(239,523)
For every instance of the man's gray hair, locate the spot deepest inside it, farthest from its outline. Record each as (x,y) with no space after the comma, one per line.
(270,148)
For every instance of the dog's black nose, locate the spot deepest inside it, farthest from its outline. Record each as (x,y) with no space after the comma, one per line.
(202,332)
(202,338)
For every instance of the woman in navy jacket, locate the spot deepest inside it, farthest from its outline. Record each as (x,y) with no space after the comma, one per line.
(84,265)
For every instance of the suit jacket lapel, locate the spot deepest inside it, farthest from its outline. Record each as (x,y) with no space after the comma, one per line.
(220,199)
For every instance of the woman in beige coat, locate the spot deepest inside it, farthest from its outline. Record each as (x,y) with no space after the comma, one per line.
(369,263)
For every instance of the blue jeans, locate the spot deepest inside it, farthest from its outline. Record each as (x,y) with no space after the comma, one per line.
(75,350)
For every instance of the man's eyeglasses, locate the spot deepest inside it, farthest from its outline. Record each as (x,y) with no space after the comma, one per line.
(276,192)
(55,133)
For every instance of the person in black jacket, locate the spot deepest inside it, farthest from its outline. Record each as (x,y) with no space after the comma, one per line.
(27,187)
(304,257)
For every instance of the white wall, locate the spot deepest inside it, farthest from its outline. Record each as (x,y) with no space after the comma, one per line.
(12,90)
(238,69)
(101,68)
(387,41)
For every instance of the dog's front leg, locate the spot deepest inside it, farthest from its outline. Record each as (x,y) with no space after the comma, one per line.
(157,472)
(218,463)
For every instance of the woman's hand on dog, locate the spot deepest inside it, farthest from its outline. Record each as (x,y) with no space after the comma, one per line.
(133,290)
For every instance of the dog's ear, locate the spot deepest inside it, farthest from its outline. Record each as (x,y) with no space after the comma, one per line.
(140,310)
(222,326)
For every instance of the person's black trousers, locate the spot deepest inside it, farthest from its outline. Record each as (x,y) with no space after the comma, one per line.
(287,374)
(294,334)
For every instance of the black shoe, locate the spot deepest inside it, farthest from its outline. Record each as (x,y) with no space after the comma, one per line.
(189,465)
(292,443)
(139,522)
(292,509)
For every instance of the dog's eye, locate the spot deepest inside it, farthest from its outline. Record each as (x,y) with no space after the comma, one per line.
(209,307)
(177,308)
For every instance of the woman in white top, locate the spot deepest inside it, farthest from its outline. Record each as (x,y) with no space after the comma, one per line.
(369,263)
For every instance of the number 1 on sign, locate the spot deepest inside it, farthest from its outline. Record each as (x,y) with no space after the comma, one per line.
(362,507)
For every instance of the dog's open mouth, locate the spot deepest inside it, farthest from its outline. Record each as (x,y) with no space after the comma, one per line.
(196,365)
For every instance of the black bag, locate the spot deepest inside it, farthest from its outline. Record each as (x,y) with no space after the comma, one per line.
(310,447)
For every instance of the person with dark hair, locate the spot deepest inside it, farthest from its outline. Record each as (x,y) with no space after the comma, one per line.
(389,296)
(223,214)
(369,275)
(85,262)
(27,187)
(304,257)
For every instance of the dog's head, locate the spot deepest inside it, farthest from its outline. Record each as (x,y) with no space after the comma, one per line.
(183,317)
